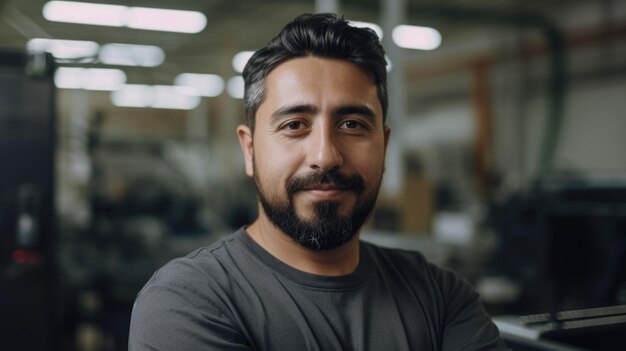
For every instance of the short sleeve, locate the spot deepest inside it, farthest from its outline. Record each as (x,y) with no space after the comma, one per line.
(175,311)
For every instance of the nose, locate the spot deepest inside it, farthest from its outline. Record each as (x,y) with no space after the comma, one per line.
(324,152)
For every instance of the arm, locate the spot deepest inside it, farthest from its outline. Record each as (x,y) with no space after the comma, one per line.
(466,324)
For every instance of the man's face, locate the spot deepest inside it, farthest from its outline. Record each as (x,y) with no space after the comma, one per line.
(318,149)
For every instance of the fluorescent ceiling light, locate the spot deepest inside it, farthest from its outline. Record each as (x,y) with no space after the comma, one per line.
(104,79)
(416,37)
(85,13)
(373,26)
(131,55)
(204,84)
(241,59)
(175,97)
(133,95)
(69,78)
(166,20)
(155,96)
(65,49)
(235,87)
(123,16)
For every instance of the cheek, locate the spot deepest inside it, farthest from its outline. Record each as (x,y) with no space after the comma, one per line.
(369,161)
(274,166)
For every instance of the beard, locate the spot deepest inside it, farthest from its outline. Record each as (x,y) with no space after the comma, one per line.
(327,229)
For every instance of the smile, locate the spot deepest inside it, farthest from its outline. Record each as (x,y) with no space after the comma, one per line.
(325,192)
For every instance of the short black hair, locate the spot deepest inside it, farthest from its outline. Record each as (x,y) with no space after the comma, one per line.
(322,35)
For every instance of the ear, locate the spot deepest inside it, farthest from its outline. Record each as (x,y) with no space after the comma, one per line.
(387,134)
(247,147)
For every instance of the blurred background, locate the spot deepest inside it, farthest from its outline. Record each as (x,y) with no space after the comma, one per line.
(118,153)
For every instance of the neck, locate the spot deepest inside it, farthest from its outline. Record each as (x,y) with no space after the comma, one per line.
(339,261)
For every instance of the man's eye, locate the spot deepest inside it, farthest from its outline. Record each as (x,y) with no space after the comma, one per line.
(352,124)
(294,125)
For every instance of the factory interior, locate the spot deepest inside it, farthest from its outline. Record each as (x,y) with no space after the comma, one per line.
(506,163)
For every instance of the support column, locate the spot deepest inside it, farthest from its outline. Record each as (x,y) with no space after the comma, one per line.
(393,12)
(481,100)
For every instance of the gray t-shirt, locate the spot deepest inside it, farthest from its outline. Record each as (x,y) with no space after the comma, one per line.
(234,295)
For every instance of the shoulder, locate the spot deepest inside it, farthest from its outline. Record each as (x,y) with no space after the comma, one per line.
(451,302)
(188,291)
(196,272)
(180,281)
(411,266)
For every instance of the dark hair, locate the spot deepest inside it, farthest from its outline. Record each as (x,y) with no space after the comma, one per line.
(322,35)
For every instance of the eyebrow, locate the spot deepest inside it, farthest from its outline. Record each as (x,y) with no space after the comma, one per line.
(292,110)
(361,110)
(288,110)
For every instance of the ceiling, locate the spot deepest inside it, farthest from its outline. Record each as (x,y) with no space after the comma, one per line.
(233,26)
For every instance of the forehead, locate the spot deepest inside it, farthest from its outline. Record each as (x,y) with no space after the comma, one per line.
(322,82)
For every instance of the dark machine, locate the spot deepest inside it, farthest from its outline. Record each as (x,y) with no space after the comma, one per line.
(564,242)
(29,300)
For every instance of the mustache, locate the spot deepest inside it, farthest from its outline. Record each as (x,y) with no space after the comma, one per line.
(353,182)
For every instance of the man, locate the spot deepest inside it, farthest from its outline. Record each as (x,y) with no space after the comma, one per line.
(298,278)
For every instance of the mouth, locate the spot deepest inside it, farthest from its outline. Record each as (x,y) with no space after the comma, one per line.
(324,187)
(325,191)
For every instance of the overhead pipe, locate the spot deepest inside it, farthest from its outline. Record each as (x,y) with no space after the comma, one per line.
(556,46)
(555,42)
